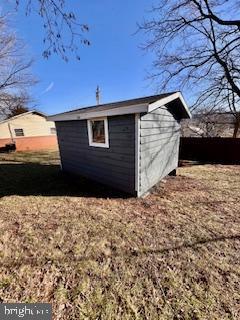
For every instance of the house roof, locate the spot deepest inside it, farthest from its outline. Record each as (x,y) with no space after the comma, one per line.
(145,104)
(24,114)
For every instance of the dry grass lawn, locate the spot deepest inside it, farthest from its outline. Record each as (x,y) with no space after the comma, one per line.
(96,254)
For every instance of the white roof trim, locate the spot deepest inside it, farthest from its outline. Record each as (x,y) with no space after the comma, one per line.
(164,101)
(23,114)
(114,111)
(98,114)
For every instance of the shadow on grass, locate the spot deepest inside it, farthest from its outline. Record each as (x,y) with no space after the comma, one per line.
(130,253)
(192,245)
(25,179)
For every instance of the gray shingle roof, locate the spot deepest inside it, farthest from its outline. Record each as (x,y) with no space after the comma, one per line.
(124,103)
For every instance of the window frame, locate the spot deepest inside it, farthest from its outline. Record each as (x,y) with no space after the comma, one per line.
(90,133)
(53,129)
(17,135)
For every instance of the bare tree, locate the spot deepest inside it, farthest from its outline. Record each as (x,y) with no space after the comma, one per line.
(63,32)
(197,45)
(15,75)
(12,104)
(207,123)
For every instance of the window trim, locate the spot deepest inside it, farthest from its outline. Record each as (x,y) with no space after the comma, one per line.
(17,135)
(90,135)
(54,129)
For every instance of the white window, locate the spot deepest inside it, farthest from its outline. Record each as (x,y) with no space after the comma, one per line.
(98,132)
(19,132)
(53,130)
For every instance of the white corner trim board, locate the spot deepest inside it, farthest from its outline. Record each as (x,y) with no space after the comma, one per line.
(137,151)
(90,133)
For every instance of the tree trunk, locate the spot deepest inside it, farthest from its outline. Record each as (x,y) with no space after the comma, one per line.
(236,126)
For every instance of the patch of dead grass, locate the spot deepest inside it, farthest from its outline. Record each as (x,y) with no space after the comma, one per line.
(172,255)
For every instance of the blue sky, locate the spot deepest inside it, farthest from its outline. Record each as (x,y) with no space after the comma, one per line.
(114,61)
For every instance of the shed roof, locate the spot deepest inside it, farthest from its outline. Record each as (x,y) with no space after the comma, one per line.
(137,105)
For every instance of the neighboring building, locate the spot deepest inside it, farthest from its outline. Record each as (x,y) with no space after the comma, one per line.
(29,131)
(129,145)
(203,125)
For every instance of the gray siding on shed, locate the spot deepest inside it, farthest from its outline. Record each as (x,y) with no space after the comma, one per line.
(114,166)
(159,147)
